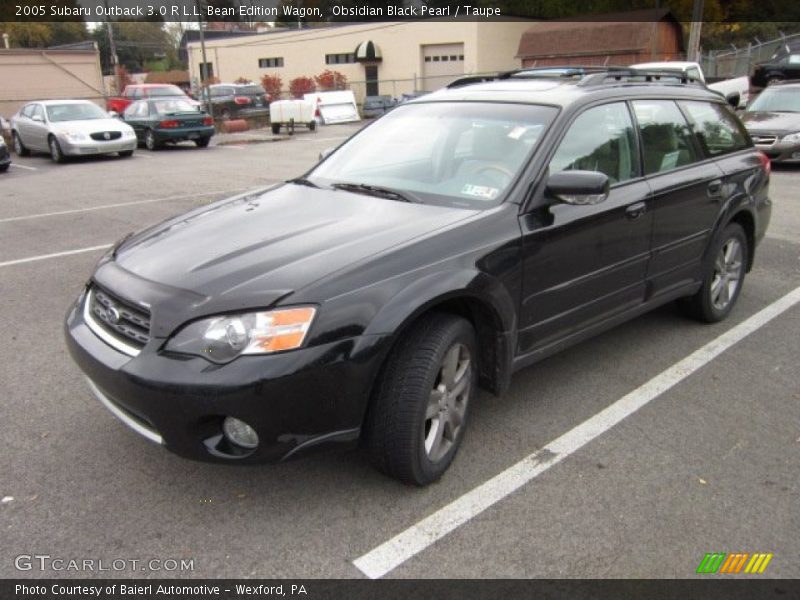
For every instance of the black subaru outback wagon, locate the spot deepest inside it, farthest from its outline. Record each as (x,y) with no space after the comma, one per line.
(456,240)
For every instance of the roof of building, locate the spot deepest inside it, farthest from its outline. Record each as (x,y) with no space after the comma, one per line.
(615,32)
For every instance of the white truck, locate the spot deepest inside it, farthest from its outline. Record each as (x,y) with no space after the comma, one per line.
(736,91)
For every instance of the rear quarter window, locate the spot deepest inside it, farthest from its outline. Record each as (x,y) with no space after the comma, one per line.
(716,129)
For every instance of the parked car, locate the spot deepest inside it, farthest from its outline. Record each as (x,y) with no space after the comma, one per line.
(375,106)
(160,121)
(5,156)
(773,120)
(143,91)
(67,128)
(786,67)
(461,237)
(237,100)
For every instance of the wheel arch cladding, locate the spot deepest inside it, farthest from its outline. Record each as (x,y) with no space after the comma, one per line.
(747,222)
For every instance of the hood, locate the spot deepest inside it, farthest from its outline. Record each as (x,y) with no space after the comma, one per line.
(284,238)
(771,122)
(90,126)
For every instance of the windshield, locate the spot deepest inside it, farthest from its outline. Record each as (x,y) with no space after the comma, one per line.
(453,153)
(777,100)
(169,90)
(75,112)
(173,105)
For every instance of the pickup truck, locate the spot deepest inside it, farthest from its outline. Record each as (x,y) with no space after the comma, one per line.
(134,92)
(736,91)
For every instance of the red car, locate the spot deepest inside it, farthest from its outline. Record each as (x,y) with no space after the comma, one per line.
(134,92)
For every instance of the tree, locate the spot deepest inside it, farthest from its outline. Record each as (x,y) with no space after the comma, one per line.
(42,35)
(331,80)
(273,85)
(300,86)
(138,42)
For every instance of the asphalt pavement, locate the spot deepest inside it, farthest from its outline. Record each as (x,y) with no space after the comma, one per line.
(709,465)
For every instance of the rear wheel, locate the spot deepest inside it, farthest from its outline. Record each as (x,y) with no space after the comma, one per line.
(4,168)
(723,279)
(421,401)
(202,142)
(312,126)
(126,153)
(276,128)
(150,141)
(55,150)
(19,147)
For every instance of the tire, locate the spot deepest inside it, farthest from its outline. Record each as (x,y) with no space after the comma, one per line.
(312,126)
(202,142)
(417,419)
(19,147)
(723,277)
(4,168)
(150,141)
(276,128)
(125,153)
(55,150)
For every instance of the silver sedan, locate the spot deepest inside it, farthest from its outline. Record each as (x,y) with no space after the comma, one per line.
(69,128)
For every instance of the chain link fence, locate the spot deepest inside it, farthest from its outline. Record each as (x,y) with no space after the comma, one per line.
(739,62)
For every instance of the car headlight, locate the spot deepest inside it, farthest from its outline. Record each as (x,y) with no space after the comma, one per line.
(74,136)
(792,138)
(222,338)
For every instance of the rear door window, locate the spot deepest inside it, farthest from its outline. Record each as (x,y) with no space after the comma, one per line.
(716,129)
(667,140)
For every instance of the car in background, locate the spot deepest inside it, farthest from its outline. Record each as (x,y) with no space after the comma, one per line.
(5,156)
(781,68)
(773,121)
(375,106)
(65,128)
(160,121)
(235,100)
(735,90)
(135,91)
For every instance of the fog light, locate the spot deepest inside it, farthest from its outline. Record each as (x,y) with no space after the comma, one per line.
(240,433)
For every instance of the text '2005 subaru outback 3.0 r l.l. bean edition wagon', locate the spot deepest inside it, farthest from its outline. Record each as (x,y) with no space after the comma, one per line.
(454,241)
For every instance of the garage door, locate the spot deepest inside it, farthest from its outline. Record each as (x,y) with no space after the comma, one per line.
(441,63)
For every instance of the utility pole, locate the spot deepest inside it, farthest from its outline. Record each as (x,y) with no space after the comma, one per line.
(693,51)
(112,47)
(204,66)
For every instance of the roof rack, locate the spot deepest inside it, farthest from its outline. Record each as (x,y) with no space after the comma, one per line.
(589,75)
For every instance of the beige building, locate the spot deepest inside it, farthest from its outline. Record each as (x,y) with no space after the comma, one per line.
(47,74)
(402,56)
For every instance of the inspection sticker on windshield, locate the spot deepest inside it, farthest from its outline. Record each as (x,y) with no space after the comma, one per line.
(480,191)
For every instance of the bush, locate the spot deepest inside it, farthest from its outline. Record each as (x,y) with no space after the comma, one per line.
(243,80)
(331,80)
(272,84)
(302,85)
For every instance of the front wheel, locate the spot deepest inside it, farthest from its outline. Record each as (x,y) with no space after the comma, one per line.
(421,401)
(125,153)
(276,128)
(55,151)
(723,279)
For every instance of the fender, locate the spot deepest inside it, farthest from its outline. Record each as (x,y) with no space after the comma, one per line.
(737,203)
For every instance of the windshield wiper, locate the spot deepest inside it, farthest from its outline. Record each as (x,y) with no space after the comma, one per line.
(375,190)
(303,181)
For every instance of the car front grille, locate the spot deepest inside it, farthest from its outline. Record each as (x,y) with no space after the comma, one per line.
(106,136)
(119,323)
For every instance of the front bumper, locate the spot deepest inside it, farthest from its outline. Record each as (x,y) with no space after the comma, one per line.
(89,147)
(780,151)
(298,401)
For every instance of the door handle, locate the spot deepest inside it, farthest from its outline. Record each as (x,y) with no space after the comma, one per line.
(634,211)
(715,188)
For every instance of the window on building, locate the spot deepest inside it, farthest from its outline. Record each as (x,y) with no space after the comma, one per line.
(270,63)
(206,71)
(340,59)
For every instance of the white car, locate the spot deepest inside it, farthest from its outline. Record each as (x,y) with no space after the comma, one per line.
(69,128)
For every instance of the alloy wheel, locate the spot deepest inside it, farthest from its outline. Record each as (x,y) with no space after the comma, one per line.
(728,268)
(447,403)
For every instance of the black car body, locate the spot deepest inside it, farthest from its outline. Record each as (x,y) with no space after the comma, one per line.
(782,68)
(479,267)
(773,120)
(237,100)
(5,156)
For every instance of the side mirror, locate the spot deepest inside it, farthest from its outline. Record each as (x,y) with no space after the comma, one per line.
(578,187)
(113,114)
(37,118)
(325,153)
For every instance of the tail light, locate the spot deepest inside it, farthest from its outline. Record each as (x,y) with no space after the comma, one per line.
(242,100)
(169,124)
(766,163)
(208,121)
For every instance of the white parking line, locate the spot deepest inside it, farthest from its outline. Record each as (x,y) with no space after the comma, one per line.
(20,261)
(391,554)
(116,205)
(231,146)
(19,166)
